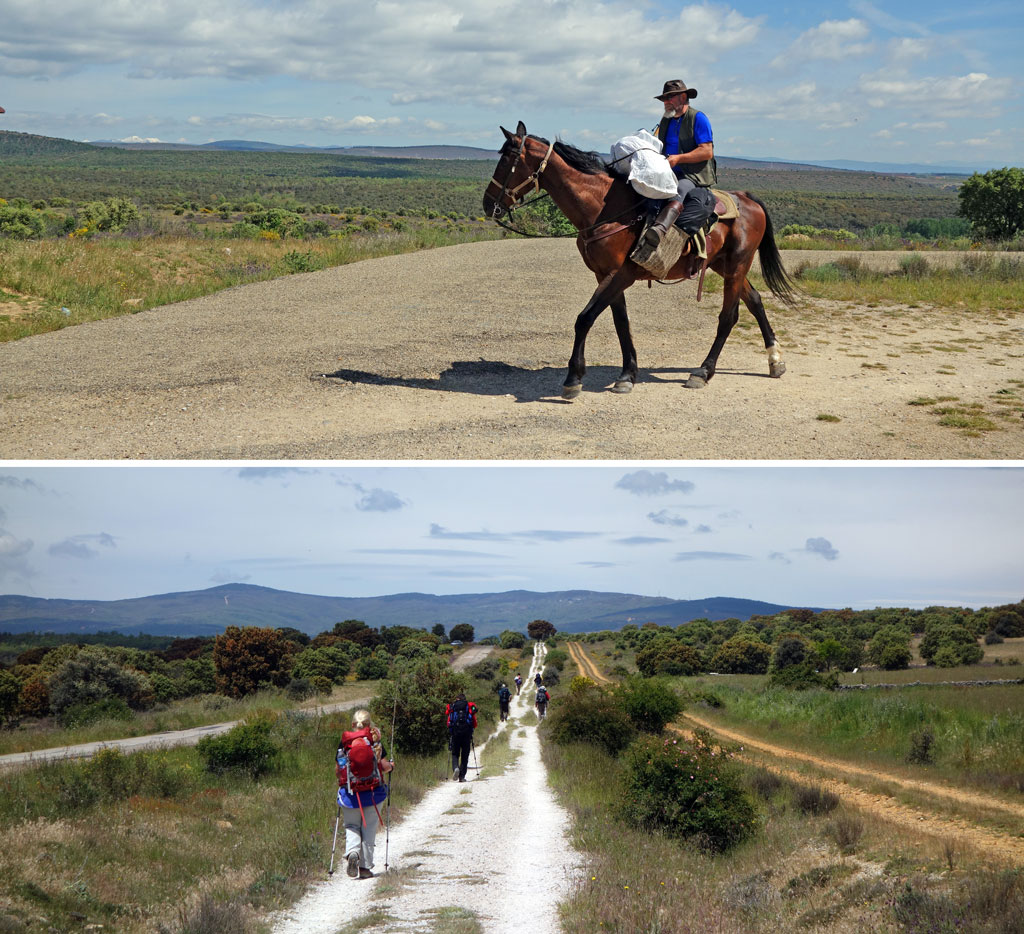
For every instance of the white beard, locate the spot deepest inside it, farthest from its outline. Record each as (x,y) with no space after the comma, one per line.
(672,112)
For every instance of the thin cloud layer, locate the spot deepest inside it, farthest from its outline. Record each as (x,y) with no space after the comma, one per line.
(711,556)
(822,547)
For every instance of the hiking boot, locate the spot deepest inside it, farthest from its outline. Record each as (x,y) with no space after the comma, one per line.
(353,864)
(455,775)
(365,874)
(660,227)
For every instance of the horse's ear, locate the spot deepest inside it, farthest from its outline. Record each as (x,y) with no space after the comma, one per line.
(521,129)
(508,135)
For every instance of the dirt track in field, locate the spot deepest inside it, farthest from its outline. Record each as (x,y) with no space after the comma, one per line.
(843,778)
(460,353)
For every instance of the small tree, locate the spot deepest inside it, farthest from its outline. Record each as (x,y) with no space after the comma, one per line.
(250,658)
(994,202)
(649,702)
(91,676)
(509,639)
(461,632)
(540,629)
(416,700)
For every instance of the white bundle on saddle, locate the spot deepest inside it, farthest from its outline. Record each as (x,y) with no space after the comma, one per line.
(649,171)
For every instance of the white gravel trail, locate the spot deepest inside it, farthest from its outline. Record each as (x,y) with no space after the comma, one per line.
(504,854)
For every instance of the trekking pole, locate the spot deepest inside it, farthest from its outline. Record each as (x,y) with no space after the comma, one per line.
(391,774)
(330,871)
(476,765)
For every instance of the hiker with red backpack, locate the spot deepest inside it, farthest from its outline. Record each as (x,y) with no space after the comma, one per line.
(460,716)
(362,765)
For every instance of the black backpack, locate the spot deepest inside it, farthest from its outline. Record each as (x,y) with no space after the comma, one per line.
(504,695)
(460,720)
(542,696)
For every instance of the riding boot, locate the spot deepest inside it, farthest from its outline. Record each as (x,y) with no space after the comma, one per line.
(665,220)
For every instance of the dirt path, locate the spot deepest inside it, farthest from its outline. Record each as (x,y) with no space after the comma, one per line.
(187,737)
(460,353)
(471,847)
(843,778)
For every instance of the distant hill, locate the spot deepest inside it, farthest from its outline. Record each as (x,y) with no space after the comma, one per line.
(207,612)
(27,144)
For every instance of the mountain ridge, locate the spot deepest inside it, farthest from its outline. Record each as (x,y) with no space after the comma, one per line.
(208,612)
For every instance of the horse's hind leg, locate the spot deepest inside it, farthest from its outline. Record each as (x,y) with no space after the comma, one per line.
(726,320)
(752,300)
(627,378)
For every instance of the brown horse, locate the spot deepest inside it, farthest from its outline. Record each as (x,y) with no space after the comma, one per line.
(609,215)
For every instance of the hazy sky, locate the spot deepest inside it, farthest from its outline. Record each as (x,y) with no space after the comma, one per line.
(859,536)
(935,81)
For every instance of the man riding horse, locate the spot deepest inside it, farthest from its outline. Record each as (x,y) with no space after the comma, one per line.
(685,134)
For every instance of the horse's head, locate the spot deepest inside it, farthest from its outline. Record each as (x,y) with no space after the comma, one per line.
(512,173)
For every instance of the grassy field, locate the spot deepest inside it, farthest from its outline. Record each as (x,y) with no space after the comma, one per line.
(152,841)
(46,285)
(810,867)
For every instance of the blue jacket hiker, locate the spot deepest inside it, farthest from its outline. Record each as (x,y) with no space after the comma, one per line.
(362,765)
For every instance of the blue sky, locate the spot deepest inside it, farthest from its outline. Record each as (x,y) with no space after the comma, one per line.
(936,82)
(859,536)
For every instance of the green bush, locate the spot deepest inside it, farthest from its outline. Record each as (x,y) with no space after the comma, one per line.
(371,668)
(591,715)
(416,701)
(110,708)
(300,689)
(688,790)
(246,748)
(92,675)
(20,223)
(649,702)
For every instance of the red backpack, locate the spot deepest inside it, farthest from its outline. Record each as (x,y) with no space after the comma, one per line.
(358,769)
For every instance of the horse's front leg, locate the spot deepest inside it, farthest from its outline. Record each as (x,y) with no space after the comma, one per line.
(609,290)
(726,321)
(627,378)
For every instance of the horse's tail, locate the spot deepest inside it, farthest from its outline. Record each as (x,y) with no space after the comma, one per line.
(775,276)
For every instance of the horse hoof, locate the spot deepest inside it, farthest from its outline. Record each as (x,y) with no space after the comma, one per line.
(775,370)
(571,392)
(695,382)
(622,386)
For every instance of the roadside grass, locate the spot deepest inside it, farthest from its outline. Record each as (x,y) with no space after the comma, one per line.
(976,282)
(191,712)
(977,733)
(71,281)
(498,755)
(127,841)
(841,871)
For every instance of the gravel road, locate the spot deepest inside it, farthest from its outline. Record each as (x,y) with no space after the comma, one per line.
(460,353)
(495,846)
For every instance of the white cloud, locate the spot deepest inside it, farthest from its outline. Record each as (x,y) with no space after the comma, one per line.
(831,40)
(485,53)
(935,91)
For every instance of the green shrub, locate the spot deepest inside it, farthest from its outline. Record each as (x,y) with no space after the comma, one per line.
(921,742)
(510,639)
(649,702)
(246,748)
(688,790)
(416,700)
(591,715)
(371,668)
(300,689)
(812,799)
(556,658)
(93,675)
(110,708)
(20,223)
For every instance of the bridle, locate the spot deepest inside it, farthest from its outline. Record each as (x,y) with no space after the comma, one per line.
(513,194)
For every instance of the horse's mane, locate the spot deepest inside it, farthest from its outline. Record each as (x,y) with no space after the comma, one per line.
(590,163)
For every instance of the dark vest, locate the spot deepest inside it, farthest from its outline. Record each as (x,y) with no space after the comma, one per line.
(703,174)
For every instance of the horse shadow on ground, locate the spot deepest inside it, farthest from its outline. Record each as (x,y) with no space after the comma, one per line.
(494,378)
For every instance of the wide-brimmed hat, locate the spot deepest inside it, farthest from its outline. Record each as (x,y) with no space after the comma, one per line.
(675,87)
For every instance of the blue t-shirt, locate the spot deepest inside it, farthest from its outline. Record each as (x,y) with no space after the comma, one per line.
(701,133)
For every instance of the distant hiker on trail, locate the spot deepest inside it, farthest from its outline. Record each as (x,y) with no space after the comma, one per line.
(519,683)
(461,717)
(537,679)
(541,702)
(504,698)
(362,763)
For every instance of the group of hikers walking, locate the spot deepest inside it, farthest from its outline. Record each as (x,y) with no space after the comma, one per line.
(362,763)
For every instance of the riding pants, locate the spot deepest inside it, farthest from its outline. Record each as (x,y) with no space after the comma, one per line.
(698,205)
